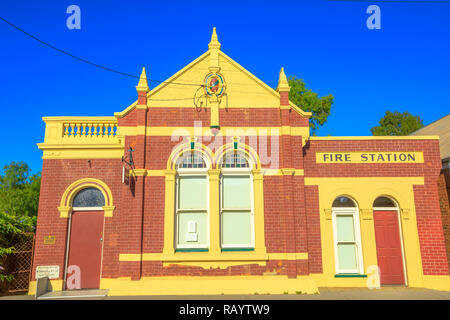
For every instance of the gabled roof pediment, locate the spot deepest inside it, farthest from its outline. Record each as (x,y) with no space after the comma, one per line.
(243,89)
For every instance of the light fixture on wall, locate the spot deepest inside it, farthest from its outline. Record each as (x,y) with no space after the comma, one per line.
(130,157)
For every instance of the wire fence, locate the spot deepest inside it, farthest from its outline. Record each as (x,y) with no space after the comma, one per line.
(18,265)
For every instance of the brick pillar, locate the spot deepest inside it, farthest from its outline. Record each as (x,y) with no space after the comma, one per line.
(288,171)
(137,225)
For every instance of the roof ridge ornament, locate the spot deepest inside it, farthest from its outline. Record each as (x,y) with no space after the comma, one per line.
(214,43)
(143,84)
(283,84)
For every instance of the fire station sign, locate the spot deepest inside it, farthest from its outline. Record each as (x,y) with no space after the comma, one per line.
(369,157)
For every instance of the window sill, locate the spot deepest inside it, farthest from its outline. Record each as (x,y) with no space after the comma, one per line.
(192,250)
(237,249)
(350,275)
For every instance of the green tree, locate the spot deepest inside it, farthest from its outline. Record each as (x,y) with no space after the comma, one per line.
(397,124)
(19,198)
(309,101)
(19,191)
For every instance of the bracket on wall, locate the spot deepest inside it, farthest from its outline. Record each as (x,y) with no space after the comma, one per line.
(366,214)
(405,214)
(327,213)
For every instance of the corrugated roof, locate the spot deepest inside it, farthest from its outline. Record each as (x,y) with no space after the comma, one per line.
(439,128)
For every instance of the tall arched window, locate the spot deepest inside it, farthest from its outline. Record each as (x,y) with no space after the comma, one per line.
(236,202)
(347,238)
(88,198)
(192,202)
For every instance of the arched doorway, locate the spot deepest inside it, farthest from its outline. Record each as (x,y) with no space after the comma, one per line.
(388,241)
(85,240)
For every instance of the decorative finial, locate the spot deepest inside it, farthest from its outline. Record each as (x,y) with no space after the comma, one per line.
(283,84)
(214,44)
(143,84)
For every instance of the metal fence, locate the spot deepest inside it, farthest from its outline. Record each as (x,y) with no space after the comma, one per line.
(19,265)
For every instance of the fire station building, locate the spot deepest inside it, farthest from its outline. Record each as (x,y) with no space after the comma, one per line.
(210,183)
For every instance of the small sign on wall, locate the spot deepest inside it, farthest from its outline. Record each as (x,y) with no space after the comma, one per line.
(191,234)
(49,240)
(125,175)
(52,272)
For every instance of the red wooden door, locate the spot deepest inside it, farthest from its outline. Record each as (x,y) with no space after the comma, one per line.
(85,250)
(389,251)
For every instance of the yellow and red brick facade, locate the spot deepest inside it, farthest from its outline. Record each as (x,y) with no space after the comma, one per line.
(293,191)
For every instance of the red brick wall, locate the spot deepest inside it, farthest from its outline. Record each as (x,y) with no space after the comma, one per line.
(313,229)
(57,175)
(429,219)
(291,209)
(444,199)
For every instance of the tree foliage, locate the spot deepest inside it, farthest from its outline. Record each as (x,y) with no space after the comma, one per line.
(19,191)
(19,197)
(397,124)
(309,101)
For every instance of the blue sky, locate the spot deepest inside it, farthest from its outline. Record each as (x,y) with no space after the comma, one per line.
(404,66)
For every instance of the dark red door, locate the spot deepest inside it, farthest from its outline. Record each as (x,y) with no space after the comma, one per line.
(85,250)
(389,251)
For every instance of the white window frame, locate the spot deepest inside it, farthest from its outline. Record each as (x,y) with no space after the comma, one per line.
(192,172)
(232,172)
(348,211)
(87,208)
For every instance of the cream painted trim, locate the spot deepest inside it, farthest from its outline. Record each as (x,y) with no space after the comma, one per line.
(378,138)
(265,172)
(196,61)
(279,172)
(265,86)
(206,131)
(189,285)
(162,85)
(239,256)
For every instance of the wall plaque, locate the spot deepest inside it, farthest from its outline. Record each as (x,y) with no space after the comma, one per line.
(52,272)
(49,239)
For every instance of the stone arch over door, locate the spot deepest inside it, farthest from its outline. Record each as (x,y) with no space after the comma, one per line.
(65,206)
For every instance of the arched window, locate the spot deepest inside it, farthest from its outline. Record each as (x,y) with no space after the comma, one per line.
(236,202)
(347,239)
(234,160)
(192,202)
(384,202)
(343,202)
(88,198)
(190,160)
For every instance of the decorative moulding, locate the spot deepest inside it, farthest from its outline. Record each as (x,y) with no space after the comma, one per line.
(405,213)
(366,214)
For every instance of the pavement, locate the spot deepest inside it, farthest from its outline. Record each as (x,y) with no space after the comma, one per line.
(384,293)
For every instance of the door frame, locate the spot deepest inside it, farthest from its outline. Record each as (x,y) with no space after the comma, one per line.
(69,229)
(400,230)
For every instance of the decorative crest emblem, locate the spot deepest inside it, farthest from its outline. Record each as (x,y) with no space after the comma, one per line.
(214,84)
